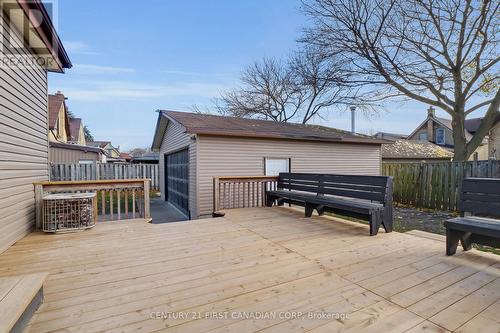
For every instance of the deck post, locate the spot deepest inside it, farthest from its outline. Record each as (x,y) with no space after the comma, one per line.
(147,213)
(216,195)
(38,205)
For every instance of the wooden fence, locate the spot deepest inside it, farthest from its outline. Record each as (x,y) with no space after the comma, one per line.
(435,185)
(105,171)
(241,191)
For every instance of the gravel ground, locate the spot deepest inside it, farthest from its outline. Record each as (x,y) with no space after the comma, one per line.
(406,219)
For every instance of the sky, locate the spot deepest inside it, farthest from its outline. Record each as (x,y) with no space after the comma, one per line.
(131,58)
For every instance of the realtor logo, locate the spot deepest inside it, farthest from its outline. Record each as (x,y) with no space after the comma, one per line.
(22,30)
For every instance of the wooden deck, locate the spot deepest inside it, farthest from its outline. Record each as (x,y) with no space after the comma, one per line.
(265,269)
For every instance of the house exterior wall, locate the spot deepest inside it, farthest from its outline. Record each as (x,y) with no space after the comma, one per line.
(227,156)
(494,143)
(23,141)
(176,139)
(81,136)
(70,156)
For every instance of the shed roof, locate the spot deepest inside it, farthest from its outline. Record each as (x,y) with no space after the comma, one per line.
(208,124)
(414,149)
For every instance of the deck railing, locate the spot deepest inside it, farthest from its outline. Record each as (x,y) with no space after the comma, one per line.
(241,191)
(118,199)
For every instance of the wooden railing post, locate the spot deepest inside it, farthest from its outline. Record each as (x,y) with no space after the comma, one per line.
(38,206)
(216,195)
(147,213)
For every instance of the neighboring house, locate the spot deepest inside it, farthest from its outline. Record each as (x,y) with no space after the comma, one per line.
(195,148)
(59,126)
(112,153)
(24,112)
(76,132)
(66,136)
(494,142)
(439,131)
(147,158)
(126,157)
(67,153)
(389,136)
(401,151)
(493,137)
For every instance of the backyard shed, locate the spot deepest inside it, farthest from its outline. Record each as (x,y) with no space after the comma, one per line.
(24,117)
(194,148)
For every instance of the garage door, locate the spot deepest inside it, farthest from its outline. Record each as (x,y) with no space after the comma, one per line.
(177,180)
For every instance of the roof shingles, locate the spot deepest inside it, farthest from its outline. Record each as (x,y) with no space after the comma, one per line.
(208,124)
(413,149)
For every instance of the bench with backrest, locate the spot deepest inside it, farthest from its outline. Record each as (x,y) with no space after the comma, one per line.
(364,197)
(480,197)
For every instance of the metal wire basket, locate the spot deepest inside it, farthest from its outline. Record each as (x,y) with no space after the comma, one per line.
(63,212)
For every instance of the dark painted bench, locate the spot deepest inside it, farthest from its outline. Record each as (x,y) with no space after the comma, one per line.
(479,196)
(363,197)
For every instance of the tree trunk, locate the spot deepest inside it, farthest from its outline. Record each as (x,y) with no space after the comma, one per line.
(459,140)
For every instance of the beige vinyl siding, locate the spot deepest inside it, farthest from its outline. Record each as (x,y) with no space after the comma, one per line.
(176,139)
(70,156)
(23,142)
(225,156)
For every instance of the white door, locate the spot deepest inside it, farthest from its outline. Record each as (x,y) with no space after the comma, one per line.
(273,166)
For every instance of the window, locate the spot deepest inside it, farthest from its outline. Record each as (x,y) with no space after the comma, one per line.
(423,136)
(440,136)
(273,166)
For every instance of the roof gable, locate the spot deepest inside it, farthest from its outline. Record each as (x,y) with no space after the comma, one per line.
(74,128)
(56,102)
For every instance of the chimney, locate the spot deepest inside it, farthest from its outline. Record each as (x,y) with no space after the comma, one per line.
(353,119)
(431,112)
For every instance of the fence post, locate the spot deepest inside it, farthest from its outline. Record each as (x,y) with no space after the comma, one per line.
(97,174)
(147,213)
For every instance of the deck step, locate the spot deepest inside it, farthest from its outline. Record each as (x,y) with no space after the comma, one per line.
(20,297)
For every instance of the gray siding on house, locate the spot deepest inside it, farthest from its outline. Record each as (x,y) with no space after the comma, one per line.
(70,156)
(226,156)
(23,142)
(176,139)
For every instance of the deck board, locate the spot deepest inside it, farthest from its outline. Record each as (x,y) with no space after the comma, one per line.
(253,262)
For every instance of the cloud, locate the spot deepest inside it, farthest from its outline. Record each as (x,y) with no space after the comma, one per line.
(87,69)
(126,90)
(78,47)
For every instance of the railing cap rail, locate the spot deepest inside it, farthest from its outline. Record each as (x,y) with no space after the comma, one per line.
(246,177)
(90,182)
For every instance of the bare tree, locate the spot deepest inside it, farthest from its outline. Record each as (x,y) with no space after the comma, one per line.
(138,152)
(267,91)
(295,89)
(440,52)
